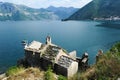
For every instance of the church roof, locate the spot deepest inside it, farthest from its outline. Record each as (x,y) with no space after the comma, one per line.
(34,45)
(51,52)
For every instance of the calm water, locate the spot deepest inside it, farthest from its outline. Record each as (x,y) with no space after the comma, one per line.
(72,35)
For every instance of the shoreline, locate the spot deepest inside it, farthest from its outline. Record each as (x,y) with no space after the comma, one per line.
(2,76)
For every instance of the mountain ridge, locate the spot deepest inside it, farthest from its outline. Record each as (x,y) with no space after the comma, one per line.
(13,12)
(98,10)
(62,12)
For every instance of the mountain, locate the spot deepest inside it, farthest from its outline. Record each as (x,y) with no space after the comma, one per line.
(98,10)
(62,12)
(9,11)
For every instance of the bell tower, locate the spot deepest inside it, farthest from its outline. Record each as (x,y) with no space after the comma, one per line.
(48,40)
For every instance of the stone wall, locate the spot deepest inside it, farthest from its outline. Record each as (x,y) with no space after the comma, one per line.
(46,63)
(35,60)
(72,69)
(32,58)
(60,70)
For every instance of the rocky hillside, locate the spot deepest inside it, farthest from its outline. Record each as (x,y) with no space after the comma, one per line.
(98,9)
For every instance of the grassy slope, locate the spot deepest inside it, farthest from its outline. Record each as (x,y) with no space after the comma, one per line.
(19,73)
(107,68)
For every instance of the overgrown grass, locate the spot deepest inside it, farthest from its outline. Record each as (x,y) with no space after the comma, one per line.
(28,74)
(108,67)
(14,70)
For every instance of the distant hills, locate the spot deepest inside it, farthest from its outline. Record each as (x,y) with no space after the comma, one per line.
(9,11)
(98,10)
(62,12)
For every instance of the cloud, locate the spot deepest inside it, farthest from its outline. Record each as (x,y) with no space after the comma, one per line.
(47,3)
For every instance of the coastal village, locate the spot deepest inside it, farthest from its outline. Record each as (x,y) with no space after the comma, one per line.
(42,55)
(111,18)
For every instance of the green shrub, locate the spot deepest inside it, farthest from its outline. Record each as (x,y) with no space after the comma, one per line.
(14,70)
(107,67)
(49,74)
(62,77)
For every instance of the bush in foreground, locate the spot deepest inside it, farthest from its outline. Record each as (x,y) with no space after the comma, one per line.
(49,74)
(62,77)
(14,70)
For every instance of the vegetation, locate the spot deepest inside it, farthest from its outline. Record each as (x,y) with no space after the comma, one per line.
(14,70)
(49,74)
(62,77)
(28,74)
(107,67)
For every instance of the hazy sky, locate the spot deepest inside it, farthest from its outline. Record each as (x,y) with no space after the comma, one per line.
(46,3)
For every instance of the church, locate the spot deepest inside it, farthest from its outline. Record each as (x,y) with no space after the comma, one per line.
(47,54)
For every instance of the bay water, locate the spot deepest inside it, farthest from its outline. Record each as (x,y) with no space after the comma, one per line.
(82,36)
